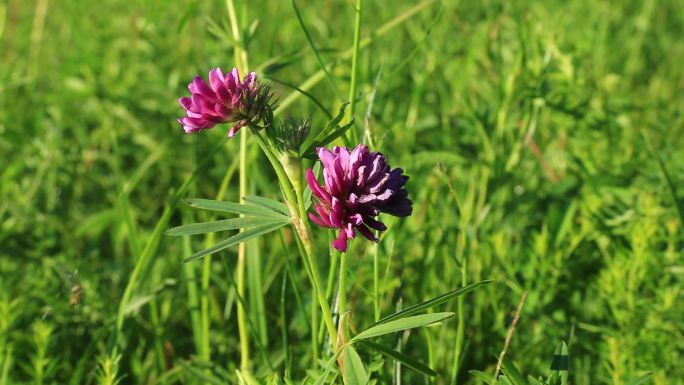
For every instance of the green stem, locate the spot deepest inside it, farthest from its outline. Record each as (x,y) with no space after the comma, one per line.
(376,283)
(242,252)
(241,62)
(342,289)
(305,234)
(354,69)
(294,196)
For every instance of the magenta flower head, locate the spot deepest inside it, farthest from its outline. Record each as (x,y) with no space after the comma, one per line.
(359,185)
(225,99)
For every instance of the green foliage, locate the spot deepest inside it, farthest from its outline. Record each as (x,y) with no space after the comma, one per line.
(543,141)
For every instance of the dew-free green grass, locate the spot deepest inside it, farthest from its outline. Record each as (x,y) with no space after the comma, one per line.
(543,144)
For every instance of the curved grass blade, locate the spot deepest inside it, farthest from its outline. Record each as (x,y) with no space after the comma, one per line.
(232,207)
(353,371)
(269,203)
(235,239)
(402,324)
(401,357)
(432,302)
(307,94)
(222,225)
(324,68)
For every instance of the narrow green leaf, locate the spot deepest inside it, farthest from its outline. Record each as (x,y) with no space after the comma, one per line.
(512,372)
(353,373)
(429,304)
(640,380)
(232,207)
(235,239)
(269,203)
(222,225)
(482,376)
(402,324)
(401,357)
(313,140)
(328,366)
(334,135)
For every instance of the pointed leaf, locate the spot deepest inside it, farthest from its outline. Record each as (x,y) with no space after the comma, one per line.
(235,239)
(402,324)
(401,357)
(223,225)
(559,365)
(433,302)
(269,203)
(353,372)
(232,207)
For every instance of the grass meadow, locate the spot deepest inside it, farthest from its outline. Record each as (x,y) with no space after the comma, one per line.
(543,141)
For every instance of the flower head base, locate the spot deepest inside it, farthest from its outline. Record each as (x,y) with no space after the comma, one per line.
(359,185)
(225,99)
(289,134)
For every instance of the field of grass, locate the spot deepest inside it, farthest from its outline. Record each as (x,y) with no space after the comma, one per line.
(543,141)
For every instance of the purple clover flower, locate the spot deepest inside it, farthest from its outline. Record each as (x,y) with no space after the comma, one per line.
(225,99)
(359,185)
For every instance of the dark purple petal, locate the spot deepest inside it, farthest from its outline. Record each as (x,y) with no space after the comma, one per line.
(358,185)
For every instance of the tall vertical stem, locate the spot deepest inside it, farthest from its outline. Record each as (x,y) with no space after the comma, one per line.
(241,63)
(355,63)
(297,206)
(242,252)
(342,288)
(376,283)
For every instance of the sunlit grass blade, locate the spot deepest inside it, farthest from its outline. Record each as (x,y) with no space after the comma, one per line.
(236,239)
(401,357)
(223,225)
(402,324)
(232,207)
(433,302)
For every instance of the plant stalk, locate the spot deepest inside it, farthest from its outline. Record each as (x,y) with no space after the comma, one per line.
(241,63)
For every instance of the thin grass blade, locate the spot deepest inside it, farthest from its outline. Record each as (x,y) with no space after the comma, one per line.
(401,357)
(235,239)
(429,304)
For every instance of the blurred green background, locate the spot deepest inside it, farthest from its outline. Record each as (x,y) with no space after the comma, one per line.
(539,137)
